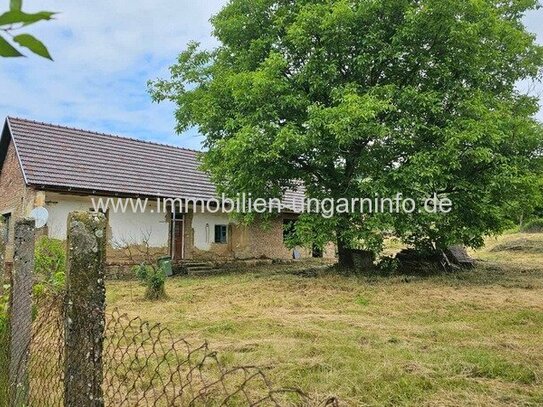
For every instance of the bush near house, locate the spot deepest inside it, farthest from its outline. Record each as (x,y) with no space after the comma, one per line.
(154,278)
(49,265)
(50,256)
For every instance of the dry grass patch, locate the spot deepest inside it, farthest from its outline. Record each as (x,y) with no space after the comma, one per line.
(471,338)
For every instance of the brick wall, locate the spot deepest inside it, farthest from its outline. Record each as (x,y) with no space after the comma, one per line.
(15,197)
(268,242)
(250,242)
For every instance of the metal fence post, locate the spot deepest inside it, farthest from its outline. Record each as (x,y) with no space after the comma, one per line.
(20,311)
(84,310)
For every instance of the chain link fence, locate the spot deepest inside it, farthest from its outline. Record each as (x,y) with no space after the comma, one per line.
(145,364)
(46,353)
(67,349)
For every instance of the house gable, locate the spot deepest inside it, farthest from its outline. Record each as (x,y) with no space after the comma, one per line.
(16,198)
(12,182)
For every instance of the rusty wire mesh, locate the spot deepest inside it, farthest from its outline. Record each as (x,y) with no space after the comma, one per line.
(145,364)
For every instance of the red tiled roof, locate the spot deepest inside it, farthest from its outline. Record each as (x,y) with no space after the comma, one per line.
(67,158)
(57,157)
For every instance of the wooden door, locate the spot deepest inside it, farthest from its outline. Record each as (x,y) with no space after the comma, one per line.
(178,238)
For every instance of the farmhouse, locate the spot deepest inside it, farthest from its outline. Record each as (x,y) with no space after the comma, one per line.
(63,169)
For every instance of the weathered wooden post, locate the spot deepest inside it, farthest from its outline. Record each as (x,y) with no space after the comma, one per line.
(20,311)
(84,310)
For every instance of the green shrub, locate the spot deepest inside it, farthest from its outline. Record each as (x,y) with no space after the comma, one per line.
(50,257)
(388,265)
(533,226)
(142,272)
(4,303)
(154,278)
(49,265)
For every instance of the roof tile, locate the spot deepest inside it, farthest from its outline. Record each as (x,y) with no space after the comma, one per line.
(54,156)
(62,157)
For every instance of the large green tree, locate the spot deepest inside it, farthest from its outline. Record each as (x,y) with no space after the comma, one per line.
(355,98)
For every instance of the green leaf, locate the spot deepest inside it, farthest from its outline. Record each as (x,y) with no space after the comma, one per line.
(20,17)
(16,4)
(33,44)
(8,50)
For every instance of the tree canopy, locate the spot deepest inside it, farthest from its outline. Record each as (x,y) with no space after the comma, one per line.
(358,98)
(12,21)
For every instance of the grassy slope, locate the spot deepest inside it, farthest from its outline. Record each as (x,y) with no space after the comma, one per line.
(471,338)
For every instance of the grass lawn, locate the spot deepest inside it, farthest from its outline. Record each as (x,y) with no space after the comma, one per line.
(471,338)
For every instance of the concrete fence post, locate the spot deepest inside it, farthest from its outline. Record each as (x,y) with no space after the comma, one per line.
(2,256)
(84,310)
(20,311)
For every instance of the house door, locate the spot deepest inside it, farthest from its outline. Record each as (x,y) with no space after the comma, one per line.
(178,232)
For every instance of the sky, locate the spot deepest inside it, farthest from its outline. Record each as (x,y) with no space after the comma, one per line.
(105,51)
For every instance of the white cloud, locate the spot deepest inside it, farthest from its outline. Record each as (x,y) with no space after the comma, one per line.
(105,51)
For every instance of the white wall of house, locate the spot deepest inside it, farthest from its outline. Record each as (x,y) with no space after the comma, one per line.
(129,227)
(203,225)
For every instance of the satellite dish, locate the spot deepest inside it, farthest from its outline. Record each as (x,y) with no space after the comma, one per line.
(40,215)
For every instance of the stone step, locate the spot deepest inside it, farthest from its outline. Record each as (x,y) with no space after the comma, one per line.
(195,264)
(204,272)
(196,268)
